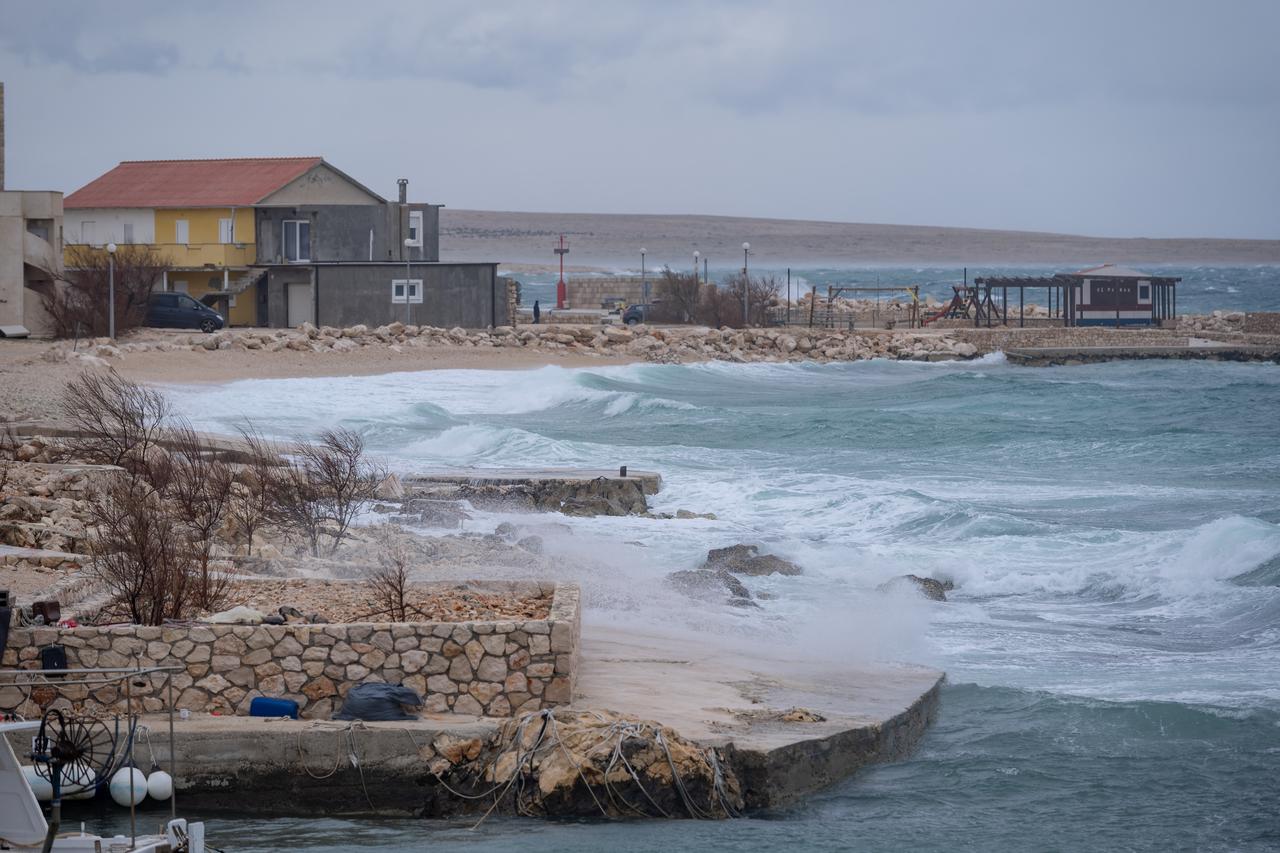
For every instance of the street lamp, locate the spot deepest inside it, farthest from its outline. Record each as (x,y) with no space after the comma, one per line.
(746,285)
(111,290)
(644,283)
(408,244)
(696,255)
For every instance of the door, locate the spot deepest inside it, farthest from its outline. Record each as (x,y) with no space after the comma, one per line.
(299,296)
(181,232)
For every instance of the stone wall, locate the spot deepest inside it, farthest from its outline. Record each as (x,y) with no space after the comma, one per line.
(1262,322)
(493,668)
(589,293)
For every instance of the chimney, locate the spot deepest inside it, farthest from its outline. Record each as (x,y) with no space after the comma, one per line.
(403,183)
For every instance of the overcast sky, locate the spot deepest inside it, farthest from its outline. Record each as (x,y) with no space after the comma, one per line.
(1118,118)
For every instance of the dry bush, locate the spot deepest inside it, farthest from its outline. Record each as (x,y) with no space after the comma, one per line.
(388,581)
(296,506)
(198,493)
(117,422)
(679,296)
(141,553)
(251,502)
(343,480)
(722,305)
(78,303)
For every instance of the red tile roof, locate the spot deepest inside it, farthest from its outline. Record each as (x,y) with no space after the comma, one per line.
(190,183)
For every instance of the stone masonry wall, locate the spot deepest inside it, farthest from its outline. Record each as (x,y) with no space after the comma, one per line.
(588,293)
(493,668)
(1262,322)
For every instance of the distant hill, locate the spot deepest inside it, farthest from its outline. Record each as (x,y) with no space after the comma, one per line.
(614,240)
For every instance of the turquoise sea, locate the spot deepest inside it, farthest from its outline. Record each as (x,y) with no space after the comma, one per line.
(1112,645)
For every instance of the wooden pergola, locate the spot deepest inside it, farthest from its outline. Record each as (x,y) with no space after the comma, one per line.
(1060,293)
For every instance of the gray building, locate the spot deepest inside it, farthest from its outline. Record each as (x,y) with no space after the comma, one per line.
(347,293)
(333,253)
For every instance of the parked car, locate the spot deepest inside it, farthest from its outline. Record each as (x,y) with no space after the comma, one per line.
(179,311)
(637,313)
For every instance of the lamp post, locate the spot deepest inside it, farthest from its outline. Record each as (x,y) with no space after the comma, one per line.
(746,286)
(644,284)
(408,244)
(696,255)
(111,291)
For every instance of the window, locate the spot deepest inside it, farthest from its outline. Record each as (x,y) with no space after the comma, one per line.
(1144,292)
(181,233)
(128,233)
(180,287)
(415,228)
(297,240)
(40,228)
(415,291)
(88,232)
(226,231)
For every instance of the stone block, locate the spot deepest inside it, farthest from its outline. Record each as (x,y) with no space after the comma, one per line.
(468,705)
(441,684)
(499,707)
(515,683)
(413,661)
(494,644)
(460,669)
(229,645)
(561,637)
(474,652)
(558,691)
(492,669)
(257,657)
(287,648)
(356,672)
(539,644)
(224,663)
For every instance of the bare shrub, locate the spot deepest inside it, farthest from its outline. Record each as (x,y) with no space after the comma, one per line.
(117,422)
(342,477)
(141,553)
(78,303)
(198,493)
(678,299)
(252,493)
(388,581)
(296,506)
(723,305)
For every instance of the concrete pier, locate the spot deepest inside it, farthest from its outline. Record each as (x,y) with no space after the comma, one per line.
(1198,350)
(573,491)
(848,716)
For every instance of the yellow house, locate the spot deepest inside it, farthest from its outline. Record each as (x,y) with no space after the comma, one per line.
(196,214)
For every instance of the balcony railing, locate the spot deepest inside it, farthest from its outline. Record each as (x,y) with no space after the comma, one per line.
(200,254)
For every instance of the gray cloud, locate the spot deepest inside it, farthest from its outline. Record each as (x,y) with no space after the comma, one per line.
(997,113)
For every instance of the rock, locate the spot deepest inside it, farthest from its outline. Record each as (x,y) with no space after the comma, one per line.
(238,616)
(532,544)
(934,590)
(505,530)
(713,585)
(390,489)
(746,560)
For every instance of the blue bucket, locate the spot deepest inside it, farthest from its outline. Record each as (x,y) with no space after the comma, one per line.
(265,706)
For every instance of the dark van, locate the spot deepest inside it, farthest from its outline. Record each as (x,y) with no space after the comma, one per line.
(179,311)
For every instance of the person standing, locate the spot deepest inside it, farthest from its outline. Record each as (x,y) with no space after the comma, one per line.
(537,312)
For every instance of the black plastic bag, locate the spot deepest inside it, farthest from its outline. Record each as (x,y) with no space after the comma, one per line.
(378,702)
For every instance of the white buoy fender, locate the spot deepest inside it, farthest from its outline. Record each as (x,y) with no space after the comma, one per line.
(120,786)
(40,786)
(159,785)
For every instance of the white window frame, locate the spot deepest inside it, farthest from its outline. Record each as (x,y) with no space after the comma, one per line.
(182,232)
(415,228)
(1144,300)
(127,232)
(226,231)
(303,252)
(415,291)
(88,229)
